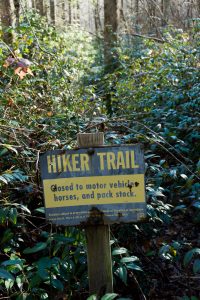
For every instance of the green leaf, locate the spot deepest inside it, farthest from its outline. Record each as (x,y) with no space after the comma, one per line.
(3,179)
(109,296)
(62,238)
(180,207)
(35,281)
(184,176)
(9,147)
(4,151)
(7,236)
(119,251)
(3,218)
(112,242)
(40,210)
(135,267)
(12,262)
(196,204)
(44,296)
(129,259)
(9,283)
(162,161)
(38,247)
(6,275)
(123,274)
(93,297)
(57,248)
(44,264)
(24,208)
(13,215)
(188,256)
(20,280)
(57,284)
(196,266)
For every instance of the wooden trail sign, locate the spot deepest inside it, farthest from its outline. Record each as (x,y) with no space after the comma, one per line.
(101,185)
(95,186)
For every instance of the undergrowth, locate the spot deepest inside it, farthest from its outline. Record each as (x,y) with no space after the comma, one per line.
(155,101)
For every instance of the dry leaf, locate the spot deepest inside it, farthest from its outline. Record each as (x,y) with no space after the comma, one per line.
(10,102)
(22,72)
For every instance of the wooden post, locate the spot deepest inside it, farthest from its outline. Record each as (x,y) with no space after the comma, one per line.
(98,237)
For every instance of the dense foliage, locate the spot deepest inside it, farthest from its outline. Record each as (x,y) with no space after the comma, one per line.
(155,98)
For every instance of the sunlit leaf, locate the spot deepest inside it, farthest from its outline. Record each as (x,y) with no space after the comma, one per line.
(13,215)
(129,259)
(133,267)
(109,296)
(184,176)
(93,297)
(119,251)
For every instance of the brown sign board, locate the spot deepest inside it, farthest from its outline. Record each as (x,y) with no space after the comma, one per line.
(101,185)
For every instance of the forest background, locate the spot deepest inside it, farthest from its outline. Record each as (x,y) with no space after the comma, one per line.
(130,69)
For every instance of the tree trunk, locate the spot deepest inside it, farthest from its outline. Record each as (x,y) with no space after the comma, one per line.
(122,12)
(137,15)
(152,13)
(64,10)
(17,10)
(165,8)
(7,19)
(53,11)
(78,12)
(198,8)
(74,12)
(33,3)
(189,15)
(97,19)
(111,22)
(70,11)
(40,6)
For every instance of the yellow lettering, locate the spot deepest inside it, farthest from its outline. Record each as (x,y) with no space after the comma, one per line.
(133,165)
(120,160)
(75,162)
(51,163)
(59,163)
(127,159)
(101,155)
(111,161)
(84,162)
(66,163)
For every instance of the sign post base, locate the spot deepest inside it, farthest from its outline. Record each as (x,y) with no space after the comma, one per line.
(98,238)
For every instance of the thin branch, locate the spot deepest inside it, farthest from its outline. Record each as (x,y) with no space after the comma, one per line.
(168,151)
(117,119)
(13,54)
(149,38)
